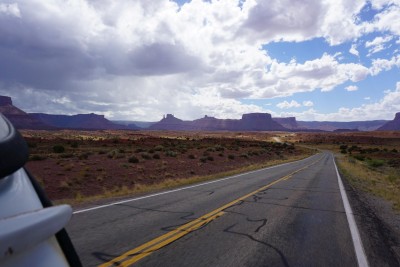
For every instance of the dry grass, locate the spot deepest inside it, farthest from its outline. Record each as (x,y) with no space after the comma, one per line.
(173,183)
(382,182)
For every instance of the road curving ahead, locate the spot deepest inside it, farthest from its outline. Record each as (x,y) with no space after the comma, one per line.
(290,214)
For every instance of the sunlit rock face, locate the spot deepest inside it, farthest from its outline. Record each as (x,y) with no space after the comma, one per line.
(289,122)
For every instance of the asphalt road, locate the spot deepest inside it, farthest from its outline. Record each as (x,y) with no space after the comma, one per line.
(289,215)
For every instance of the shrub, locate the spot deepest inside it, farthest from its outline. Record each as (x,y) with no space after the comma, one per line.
(156,156)
(138,150)
(359,157)
(119,156)
(393,178)
(182,150)
(343,147)
(170,153)
(191,156)
(203,159)
(146,155)
(74,144)
(374,163)
(84,155)
(253,153)
(133,159)
(159,148)
(58,149)
(210,158)
(66,155)
(113,154)
(31,144)
(219,148)
(36,158)
(231,157)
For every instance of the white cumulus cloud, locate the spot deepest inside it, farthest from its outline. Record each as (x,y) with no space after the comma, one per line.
(351,88)
(378,44)
(308,103)
(286,105)
(353,50)
(385,108)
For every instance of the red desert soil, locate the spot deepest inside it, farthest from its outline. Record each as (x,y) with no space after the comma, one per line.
(86,163)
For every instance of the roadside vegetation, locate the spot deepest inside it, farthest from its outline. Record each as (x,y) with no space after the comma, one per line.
(370,161)
(372,170)
(75,166)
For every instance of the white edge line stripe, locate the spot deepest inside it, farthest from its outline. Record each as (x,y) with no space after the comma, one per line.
(355,235)
(183,188)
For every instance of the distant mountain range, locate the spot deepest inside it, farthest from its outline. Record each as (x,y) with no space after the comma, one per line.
(248,122)
(337,125)
(41,121)
(80,121)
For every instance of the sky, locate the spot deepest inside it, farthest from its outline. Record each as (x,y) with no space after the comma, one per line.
(334,60)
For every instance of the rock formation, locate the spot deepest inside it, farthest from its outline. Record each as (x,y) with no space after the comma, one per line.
(19,118)
(249,122)
(393,125)
(289,122)
(169,122)
(5,100)
(334,125)
(23,120)
(81,121)
(260,122)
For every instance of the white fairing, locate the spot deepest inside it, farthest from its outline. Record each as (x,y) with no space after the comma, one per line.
(27,229)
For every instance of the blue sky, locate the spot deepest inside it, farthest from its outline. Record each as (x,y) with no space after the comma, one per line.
(137,60)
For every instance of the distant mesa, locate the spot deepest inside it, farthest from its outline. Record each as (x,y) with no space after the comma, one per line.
(169,122)
(248,122)
(5,100)
(41,121)
(19,118)
(288,122)
(393,125)
(334,125)
(80,121)
(260,122)
(345,130)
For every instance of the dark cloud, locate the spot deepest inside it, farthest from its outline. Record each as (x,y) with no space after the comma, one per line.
(153,59)
(52,52)
(38,55)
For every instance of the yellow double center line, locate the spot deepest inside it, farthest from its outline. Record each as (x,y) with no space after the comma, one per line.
(134,255)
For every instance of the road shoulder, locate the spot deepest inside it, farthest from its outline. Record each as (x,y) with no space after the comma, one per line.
(378,224)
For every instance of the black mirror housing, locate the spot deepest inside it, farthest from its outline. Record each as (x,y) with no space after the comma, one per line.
(13,149)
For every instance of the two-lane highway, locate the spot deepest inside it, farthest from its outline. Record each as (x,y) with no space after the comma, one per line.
(288,215)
